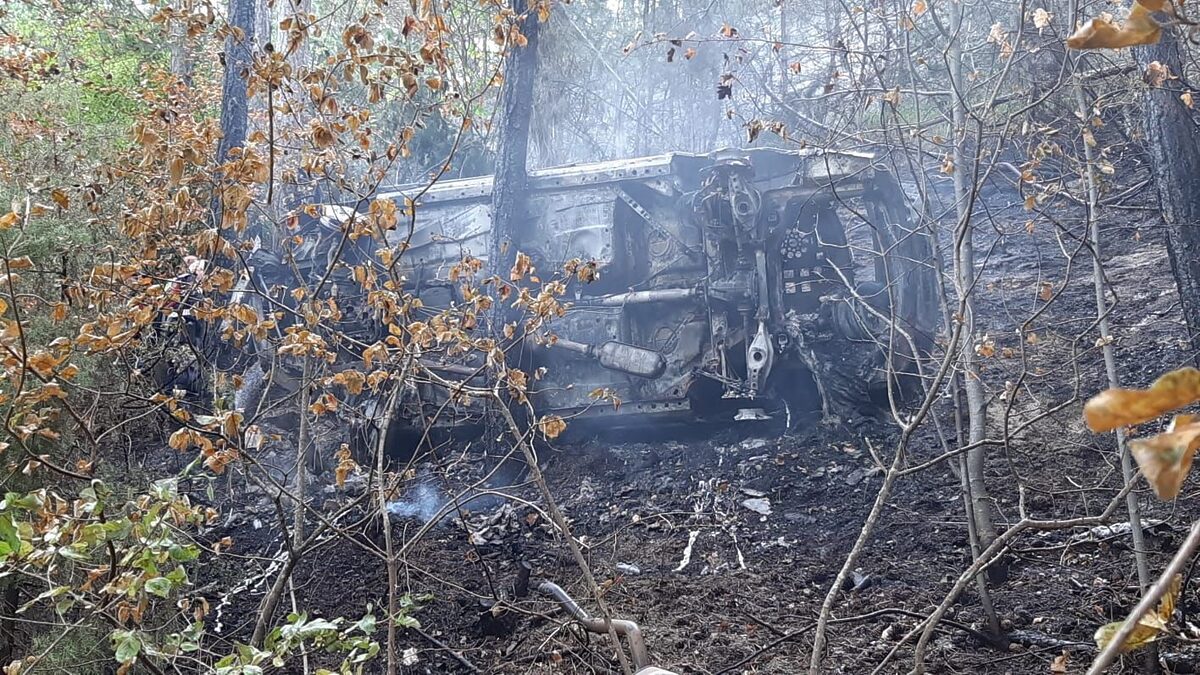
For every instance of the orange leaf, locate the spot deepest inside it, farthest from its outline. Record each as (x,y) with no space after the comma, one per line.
(1114,408)
(1139,29)
(345,465)
(60,198)
(552,426)
(1166,459)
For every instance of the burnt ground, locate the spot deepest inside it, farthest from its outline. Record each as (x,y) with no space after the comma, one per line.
(635,504)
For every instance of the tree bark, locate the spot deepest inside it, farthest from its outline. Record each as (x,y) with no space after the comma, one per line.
(238,60)
(964,281)
(182,64)
(515,110)
(264,26)
(1173,141)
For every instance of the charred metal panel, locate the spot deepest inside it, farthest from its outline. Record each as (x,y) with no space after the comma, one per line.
(570,224)
(726,280)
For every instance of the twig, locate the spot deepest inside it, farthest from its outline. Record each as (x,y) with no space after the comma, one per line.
(799,632)
(446,648)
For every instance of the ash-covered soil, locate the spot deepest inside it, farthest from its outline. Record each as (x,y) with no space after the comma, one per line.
(720,542)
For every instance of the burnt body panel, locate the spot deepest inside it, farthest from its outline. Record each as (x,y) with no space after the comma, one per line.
(723,278)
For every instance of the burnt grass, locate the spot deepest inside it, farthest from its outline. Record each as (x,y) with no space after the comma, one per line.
(634,504)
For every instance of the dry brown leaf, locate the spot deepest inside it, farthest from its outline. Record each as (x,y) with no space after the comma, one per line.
(1113,408)
(1149,627)
(1041,20)
(1166,459)
(345,465)
(552,426)
(986,347)
(1157,74)
(1139,29)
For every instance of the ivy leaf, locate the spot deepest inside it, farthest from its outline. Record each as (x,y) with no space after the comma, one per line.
(9,536)
(405,621)
(126,646)
(160,586)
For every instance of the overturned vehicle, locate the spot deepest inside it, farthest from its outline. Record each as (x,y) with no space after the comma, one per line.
(733,286)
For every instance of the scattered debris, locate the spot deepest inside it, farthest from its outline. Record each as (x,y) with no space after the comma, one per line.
(753,444)
(1113,531)
(759,505)
(687,551)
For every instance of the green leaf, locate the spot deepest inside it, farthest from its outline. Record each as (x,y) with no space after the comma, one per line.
(127,645)
(63,605)
(405,621)
(30,502)
(9,535)
(366,624)
(184,553)
(160,586)
(166,489)
(178,576)
(44,595)
(73,553)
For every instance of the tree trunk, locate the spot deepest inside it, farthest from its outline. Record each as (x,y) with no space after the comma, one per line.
(264,26)
(238,60)
(964,282)
(182,64)
(1173,141)
(515,110)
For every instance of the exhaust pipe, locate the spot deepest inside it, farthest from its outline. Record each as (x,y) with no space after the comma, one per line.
(619,356)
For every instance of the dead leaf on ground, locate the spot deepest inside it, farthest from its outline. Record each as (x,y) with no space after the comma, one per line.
(986,347)
(1114,408)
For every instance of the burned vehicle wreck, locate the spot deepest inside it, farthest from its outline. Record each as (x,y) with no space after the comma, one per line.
(732,286)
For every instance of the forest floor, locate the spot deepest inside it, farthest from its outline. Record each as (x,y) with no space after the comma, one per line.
(668,527)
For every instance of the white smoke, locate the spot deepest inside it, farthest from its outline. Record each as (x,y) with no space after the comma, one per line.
(422,501)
